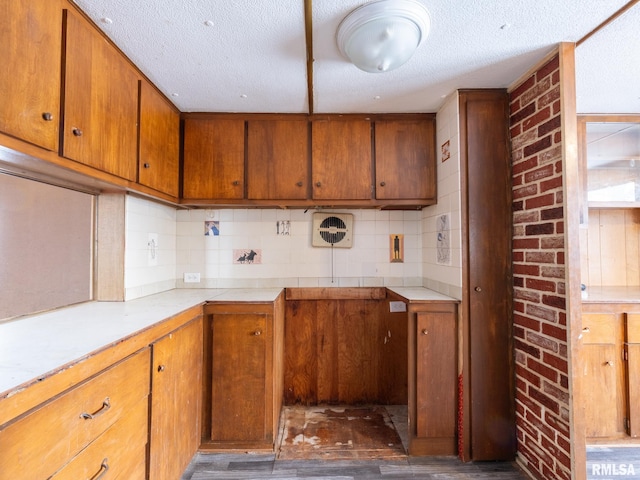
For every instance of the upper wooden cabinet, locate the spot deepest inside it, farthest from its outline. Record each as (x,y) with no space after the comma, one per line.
(213,158)
(30,40)
(100,101)
(306,161)
(278,159)
(405,159)
(341,159)
(159,142)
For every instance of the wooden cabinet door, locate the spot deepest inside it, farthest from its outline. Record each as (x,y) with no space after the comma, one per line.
(341,159)
(159,142)
(213,159)
(487,214)
(632,355)
(100,102)
(405,159)
(391,345)
(176,401)
(239,378)
(436,377)
(30,41)
(277,159)
(604,401)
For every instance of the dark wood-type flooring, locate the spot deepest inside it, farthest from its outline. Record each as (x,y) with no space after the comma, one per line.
(342,443)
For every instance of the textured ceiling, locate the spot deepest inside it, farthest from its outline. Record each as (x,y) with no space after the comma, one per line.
(250,55)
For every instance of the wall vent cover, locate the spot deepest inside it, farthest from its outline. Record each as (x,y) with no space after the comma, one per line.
(332,230)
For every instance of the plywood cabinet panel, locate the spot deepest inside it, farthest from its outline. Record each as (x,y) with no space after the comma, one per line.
(159,142)
(405,159)
(213,158)
(344,350)
(30,41)
(341,159)
(100,101)
(278,159)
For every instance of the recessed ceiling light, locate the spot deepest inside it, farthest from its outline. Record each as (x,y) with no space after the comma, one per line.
(174,94)
(505,26)
(209,23)
(244,95)
(106,20)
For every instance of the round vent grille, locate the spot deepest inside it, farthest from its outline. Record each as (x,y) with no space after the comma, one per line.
(332,230)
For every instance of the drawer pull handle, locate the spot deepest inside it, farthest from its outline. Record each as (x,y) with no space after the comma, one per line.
(257,333)
(106,405)
(104,468)
(47,116)
(76,132)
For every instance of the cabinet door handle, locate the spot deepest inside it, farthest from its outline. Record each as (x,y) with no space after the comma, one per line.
(608,364)
(382,184)
(478,289)
(299,184)
(104,468)
(47,116)
(318,184)
(235,183)
(146,165)
(77,132)
(161,368)
(425,331)
(106,405)
(257,333)
(586,329)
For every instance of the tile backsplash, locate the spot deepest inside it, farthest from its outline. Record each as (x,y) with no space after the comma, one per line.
(283,240)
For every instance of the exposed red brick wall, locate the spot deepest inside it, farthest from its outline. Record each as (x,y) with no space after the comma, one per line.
(540,318)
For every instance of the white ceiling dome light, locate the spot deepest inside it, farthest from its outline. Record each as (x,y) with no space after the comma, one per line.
(384,34)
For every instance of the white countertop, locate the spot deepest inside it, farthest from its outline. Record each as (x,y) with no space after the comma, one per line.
(34,346)
(419,294)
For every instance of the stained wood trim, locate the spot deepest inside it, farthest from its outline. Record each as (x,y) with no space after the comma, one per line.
(308,31)
(336,293)
(609,20)
(572,192)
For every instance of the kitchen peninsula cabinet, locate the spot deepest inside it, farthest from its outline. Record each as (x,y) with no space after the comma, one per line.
(243,374)
(278,159)
(59,436)
(159,159)
(213,163)
(30,83)
(341,158)
(100,101)
(405,159)
(176,400)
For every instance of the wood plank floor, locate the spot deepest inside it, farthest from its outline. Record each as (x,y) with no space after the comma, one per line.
(345,462)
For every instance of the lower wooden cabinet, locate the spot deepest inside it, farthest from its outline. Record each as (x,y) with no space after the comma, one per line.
(176,401)
(610,360)
(68,434)
(244,379)
(433,385)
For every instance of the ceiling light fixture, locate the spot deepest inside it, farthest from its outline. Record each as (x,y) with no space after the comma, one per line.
(382,35)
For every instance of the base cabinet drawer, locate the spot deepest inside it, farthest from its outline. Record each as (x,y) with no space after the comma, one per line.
(119,453)
(40,442)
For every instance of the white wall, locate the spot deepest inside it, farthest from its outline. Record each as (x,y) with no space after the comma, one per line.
(445,278)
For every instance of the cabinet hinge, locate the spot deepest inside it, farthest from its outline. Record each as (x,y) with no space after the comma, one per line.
(625,354)
(626,425)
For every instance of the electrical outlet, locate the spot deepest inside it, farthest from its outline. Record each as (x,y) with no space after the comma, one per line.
(397,307)
(191,278)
